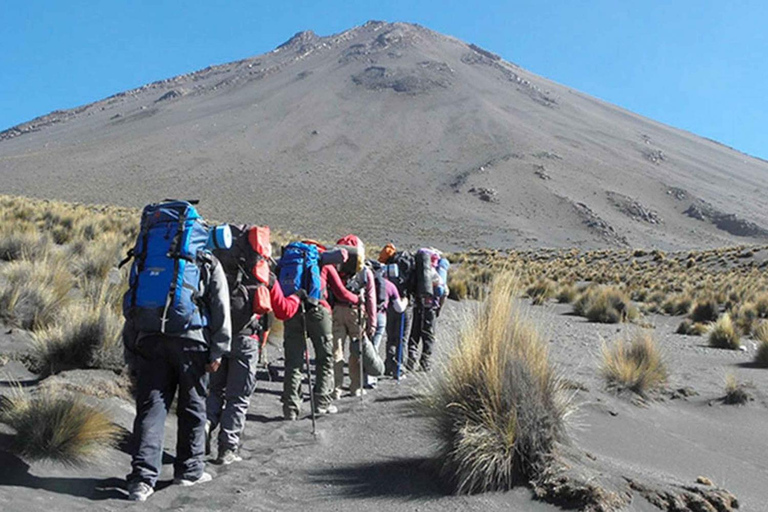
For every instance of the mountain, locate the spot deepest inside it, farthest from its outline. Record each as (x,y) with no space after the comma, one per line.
(395,132)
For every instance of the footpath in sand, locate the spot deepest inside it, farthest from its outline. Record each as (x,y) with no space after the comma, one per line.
(371,456)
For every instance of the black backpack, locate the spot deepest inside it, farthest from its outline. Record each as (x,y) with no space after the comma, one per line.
(406,281)
(380,282)
(239,263)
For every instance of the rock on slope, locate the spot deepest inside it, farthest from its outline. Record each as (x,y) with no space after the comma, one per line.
(398,133)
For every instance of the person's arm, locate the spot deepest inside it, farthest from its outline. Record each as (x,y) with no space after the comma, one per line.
(370,302)
(283,307)
(398,304)
(334,283)
(220,322)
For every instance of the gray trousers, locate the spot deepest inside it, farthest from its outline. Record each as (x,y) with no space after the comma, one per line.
(165,365)
(398,329)
(231,390)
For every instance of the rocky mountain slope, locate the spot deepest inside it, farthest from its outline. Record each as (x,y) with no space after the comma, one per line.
(395,132)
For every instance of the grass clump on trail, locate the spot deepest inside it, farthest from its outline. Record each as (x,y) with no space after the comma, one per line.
(606,305)
(58,427)
(735,392)
(497,407)
(636,365)
(724,334)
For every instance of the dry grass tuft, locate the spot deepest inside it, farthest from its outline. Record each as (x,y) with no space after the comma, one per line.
(89,336)
(498,407)
(35,293)
(541,291)
(735,392)
(607,305)
(724,334)
(637,366)
(57,427)
(706,310)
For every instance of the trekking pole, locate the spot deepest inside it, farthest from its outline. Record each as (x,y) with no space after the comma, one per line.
(309,372)
(400,347)
(361,333)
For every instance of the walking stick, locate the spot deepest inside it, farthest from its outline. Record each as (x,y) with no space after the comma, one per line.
(361,333)
(400,347)
(309,372)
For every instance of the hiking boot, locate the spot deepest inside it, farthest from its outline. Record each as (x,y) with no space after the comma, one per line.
(327,409)
(336,394)
(228,457)
(263,361)
(184,482)
(139,491)
(290,415)
(358,392)
(208,437)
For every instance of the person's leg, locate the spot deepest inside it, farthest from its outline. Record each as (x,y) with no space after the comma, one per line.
(294,344)
(190,358)
(214,404)
(241,381)
(427,336)
(381,326)
(339,336)
(393,338)
(320,331)
(352,325)
(154,394)
(415,337)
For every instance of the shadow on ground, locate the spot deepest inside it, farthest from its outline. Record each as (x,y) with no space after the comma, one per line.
(401,478)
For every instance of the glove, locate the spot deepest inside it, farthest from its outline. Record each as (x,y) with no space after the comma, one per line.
(301,294)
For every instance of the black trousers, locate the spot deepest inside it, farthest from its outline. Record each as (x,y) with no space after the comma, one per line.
(167,365)
(422,330)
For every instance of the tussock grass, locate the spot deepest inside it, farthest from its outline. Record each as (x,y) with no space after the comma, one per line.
(705,310)
(607,305)
(724,334)
(22,242)
(735,392)
(497,407)
(57,427)
(761,336)
(89,336)
(636,365)
(35,293)
(541,291)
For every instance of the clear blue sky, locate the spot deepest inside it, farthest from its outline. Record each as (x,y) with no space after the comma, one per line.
(698,65)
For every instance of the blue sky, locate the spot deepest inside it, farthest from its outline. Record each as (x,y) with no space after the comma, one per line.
(698,65)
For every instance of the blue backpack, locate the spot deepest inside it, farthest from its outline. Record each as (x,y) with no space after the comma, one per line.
(164,294)
(299,268)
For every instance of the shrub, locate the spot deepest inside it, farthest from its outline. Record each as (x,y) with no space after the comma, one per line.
(735,392)
(88,336)
(35,293)
(497,407)
(706,310)
(678,304)
(611,306)
(541,291)
(22,243)
(567,293)
(58,427)
(723,334)
(636,366)
(99,257)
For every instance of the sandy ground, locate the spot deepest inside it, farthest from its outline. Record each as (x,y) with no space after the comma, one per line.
(394,132)
(371,456)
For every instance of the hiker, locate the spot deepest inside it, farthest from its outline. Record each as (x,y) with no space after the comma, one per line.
(431,291)
(351,319)
(398,322)
(177,330)
(247,267)
(387,297)
(307,313)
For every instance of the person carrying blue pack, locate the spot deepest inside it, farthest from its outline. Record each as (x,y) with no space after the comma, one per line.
(431,290)
(301,272)
(177,328)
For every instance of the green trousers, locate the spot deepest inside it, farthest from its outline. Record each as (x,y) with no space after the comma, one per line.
(317,322)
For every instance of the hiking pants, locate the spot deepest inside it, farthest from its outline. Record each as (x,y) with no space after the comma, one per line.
(318,328)
(395,322)
(231,389)
(422,330)
(381,326)
(345,325)
(165,365)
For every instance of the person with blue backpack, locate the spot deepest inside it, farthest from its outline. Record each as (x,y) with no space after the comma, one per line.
(301,272)
(177,328)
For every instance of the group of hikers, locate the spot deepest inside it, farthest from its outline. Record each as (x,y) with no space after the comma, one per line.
(197,318)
